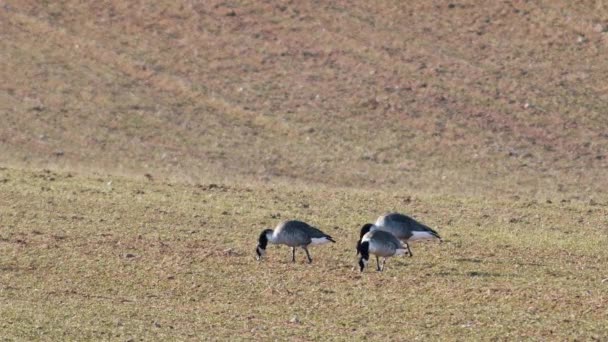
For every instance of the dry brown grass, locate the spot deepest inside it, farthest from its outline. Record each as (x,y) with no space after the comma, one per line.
(424,95)
(485,120)
(109,258)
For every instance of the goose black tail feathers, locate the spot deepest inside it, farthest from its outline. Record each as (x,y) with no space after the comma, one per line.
(435,234)
(432,232)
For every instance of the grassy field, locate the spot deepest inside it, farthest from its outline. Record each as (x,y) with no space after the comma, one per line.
(110,258)
(144,146)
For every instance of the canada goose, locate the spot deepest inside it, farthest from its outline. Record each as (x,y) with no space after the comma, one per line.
(379,243)
(405,228)
(293,234)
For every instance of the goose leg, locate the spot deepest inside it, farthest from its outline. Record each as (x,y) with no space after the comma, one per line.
(378,264)
(383,261)
(409,250)
(307,254)
(293,254)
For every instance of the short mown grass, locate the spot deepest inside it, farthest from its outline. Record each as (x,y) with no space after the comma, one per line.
(110,258)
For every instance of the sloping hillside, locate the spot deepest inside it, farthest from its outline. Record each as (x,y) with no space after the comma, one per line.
(145,144)
(454,97)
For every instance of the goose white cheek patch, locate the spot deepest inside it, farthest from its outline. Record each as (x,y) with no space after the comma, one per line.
(260,253)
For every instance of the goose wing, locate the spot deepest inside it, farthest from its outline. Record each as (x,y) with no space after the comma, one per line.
(316,233)
(299,233)
(407,222)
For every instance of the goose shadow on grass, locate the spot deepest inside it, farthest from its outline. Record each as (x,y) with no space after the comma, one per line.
(459,272)
(498,262)
(476,274)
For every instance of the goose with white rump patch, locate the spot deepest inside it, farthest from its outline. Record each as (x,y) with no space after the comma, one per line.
(379,243)
(293,234)
(405,228)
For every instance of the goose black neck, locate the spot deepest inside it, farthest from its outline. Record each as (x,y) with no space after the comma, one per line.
(263,240)
(365,229)
(363,248)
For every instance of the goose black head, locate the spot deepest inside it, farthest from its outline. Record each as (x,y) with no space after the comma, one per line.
(262,243)
(363,250)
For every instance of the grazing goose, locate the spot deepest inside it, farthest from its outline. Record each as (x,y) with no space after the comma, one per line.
(293,234)
(405,228)
(380,243)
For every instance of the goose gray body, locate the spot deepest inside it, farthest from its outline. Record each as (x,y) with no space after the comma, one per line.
(293,234)
(298,234)
(379,243)
(382,244)
(405,228)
